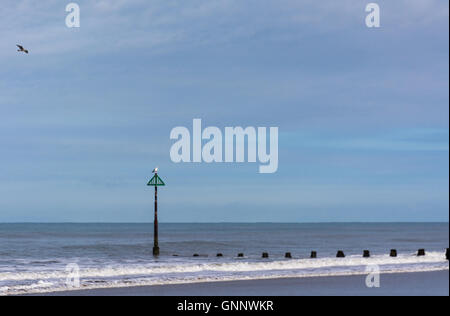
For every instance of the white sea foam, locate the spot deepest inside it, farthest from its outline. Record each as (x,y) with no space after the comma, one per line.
(38,280)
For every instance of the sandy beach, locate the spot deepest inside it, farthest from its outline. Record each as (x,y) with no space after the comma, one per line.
(398,284)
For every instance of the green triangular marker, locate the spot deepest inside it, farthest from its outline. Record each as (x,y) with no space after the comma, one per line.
(156,181)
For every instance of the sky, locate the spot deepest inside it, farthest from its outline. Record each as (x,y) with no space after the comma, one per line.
(363,113)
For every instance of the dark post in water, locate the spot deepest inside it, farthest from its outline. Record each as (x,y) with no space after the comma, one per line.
(155,226)
(156,182)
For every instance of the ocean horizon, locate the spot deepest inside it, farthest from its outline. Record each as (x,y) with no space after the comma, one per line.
(227,222)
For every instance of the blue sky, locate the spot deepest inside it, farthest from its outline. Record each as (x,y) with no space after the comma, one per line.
(362,113)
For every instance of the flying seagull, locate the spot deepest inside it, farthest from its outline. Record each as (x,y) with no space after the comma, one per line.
(155,170)
(21,49)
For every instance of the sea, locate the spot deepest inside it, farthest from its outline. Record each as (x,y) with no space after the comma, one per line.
(40,258)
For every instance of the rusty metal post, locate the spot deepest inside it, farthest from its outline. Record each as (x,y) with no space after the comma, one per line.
(155,226)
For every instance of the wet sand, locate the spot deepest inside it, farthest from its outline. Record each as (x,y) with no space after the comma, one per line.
(398,284)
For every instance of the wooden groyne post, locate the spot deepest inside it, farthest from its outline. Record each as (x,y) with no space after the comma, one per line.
(156,182)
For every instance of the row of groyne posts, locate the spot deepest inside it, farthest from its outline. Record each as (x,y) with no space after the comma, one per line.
(156,181)
(340,254)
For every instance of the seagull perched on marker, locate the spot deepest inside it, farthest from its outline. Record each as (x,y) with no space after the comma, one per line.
(155,170)
(21,49)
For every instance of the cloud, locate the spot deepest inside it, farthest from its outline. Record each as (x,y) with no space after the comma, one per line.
(154,25)
(419,140)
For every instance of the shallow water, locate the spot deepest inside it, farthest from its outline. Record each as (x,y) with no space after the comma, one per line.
(34,257)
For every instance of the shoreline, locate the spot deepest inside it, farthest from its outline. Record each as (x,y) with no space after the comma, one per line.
(432,283)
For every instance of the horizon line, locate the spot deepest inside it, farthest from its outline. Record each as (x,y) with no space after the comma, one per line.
(227,222)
